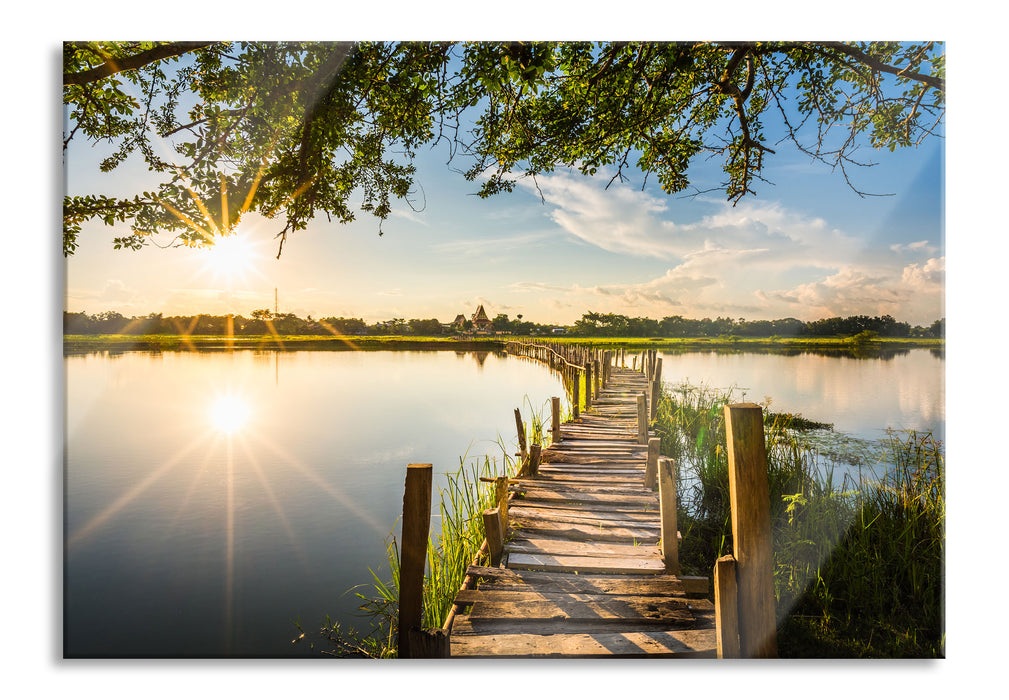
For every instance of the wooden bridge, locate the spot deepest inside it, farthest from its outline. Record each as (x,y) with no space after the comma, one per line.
(581,556)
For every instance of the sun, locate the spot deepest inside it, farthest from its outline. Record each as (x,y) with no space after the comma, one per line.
(229,413)
(230,257)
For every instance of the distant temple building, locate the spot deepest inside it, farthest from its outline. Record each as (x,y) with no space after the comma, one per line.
(480,320)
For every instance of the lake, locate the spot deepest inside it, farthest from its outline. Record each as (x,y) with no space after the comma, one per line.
(215,499)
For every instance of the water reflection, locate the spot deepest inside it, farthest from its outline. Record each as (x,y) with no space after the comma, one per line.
(229,496)
(229,413)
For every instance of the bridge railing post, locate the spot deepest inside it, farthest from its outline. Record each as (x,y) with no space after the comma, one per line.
(726,609)
(642,420)
(751,530)
(575,393)
(667,515)
(652,463)
(555,419)
(520,428)
(413,554)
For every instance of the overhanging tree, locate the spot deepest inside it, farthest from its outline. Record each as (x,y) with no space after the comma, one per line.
(294,130)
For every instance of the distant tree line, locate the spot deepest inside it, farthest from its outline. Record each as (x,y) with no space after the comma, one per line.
(592,324)
(616,325)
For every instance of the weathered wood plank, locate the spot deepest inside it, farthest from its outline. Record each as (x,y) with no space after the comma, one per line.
(598,467)
(601,507)
(587,478)
(589,565)
(658,644)
(534,487)
(533,608)
(658,585)
(541,545)
(651,604)
(561,515)
(590,532)
(592,458)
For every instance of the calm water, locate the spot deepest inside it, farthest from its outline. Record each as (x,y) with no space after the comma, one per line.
(213,499)
(861,397)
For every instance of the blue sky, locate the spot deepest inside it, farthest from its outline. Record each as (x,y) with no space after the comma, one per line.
(807,246)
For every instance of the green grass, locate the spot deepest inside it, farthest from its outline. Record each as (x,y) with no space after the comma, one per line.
(748,344)
(166,343)
(121,342)
(858,566)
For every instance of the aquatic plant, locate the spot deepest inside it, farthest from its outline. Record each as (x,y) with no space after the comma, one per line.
(858,560)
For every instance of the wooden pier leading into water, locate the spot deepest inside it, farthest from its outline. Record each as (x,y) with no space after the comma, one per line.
(583,545)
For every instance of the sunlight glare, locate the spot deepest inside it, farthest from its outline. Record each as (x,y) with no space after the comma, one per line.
(229,257)
(229,413)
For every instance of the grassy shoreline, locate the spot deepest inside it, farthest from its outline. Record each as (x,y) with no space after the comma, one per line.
(858,564)
(123,343)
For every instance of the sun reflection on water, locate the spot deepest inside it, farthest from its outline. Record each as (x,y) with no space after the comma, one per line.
(229,413)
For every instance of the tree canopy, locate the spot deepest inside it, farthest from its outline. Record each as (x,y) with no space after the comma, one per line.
(294,130)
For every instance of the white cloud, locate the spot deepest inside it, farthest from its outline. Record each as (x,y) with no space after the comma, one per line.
(926,277)
(757,258)
(630,222)
(914,247)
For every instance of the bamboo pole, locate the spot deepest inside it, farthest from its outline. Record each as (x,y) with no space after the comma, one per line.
(413,552)
(667,515)
(751,529)
(726,612)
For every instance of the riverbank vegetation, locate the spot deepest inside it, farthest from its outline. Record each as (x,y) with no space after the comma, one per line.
(859,558)
(592,326)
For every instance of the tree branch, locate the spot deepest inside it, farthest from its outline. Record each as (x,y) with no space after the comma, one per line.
(113,66)
(875,64)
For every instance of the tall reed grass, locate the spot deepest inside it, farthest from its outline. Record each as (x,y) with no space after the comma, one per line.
(456,544)
(859,561)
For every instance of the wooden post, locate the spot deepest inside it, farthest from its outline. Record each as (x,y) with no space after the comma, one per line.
(520,428)
(588,384)
(667,514)
(534,460)
(751,529)
(555,418)
(495,534)
(430,644)
(642,421)
(656,389)
(726,612)
(575,398)
(501,499)
(413,552)
(652,465)
(596,378)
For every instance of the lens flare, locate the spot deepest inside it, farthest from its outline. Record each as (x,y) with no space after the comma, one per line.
(229,413)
